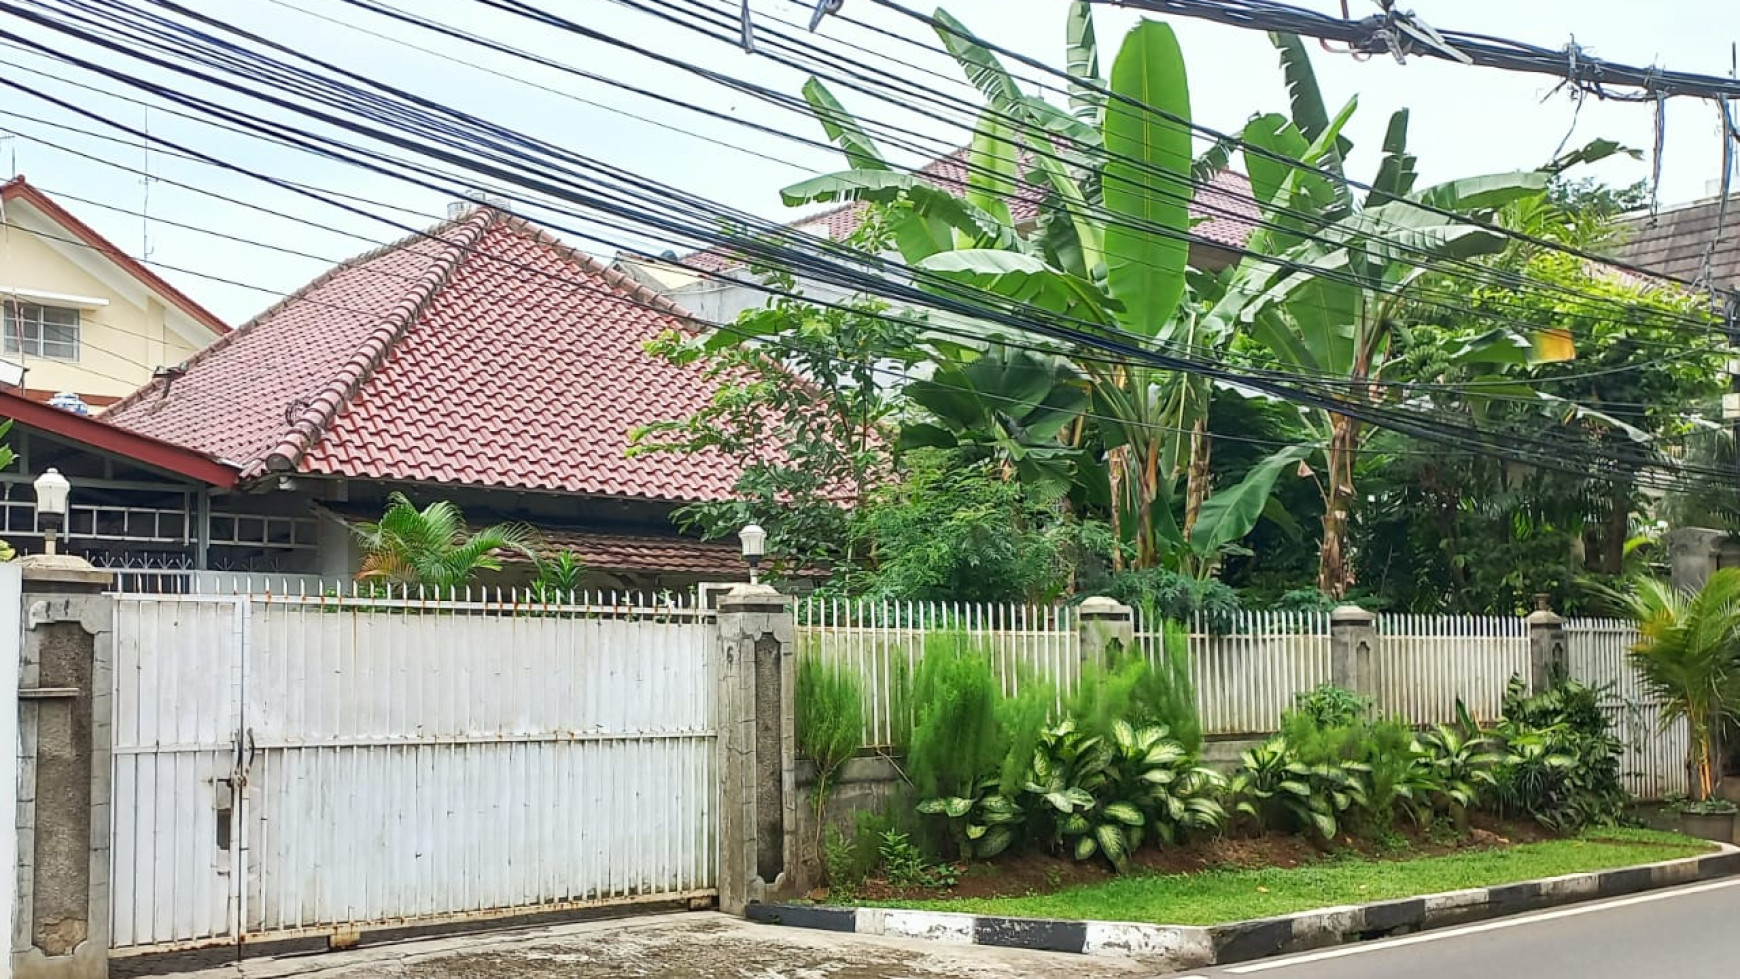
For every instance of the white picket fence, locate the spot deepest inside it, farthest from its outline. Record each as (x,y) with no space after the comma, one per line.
(880,639)
(1247,676)
(1654,762)
(1424,663)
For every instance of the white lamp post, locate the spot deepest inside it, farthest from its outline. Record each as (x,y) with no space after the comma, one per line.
(51,493)
(754,541)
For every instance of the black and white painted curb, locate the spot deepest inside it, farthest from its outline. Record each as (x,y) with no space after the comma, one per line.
(1187,947)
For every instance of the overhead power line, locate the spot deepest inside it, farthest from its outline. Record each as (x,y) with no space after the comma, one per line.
(640,203)
(1403,35)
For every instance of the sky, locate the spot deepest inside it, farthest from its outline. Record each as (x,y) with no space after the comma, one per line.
(193,221)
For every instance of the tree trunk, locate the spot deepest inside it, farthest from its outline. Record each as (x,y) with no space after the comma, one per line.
(1334,573)
(1147,488)
(1115,478)
(1196,482)
(1614,535)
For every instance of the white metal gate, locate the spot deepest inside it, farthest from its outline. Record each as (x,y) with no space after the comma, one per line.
(297,765)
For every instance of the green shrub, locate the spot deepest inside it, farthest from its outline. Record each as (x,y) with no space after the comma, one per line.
(1132,689)
(955,699)
(1104,794)
(829,714)
(905,864)
(1281,792)
(1330,706)
(1179,597)
(1559,764)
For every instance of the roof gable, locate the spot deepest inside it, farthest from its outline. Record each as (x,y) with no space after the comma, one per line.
(104,253)
(482,353)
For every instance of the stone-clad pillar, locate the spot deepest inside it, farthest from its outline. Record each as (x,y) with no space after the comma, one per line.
(758,852)
(61,928)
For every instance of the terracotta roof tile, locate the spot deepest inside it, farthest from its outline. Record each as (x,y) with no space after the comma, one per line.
(1223,210)
(1675,242)
(488,355)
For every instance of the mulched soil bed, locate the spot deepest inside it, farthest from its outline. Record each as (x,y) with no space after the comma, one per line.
(1044,873)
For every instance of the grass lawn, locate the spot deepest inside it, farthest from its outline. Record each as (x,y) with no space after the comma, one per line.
(1215,896)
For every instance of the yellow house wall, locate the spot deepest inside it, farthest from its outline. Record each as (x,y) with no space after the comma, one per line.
(120,344)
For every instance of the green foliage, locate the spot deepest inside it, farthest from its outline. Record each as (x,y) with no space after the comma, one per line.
(905,865)
(1330,706)
(828,705)
(955,698)
(1102,795)
(1689,659)
(840,863)
(1459,761)
(1559,764)
(822,402)
(431,546)
(956,531)
(1131,689)
(1176,596)
(959,746)
(1281,792)
(559,577)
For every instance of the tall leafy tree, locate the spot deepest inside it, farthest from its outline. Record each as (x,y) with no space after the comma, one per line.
(803,406)
(1332,279)
(1110,249)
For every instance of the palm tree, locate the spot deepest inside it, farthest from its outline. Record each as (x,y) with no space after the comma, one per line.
(432,547)
(1689,658)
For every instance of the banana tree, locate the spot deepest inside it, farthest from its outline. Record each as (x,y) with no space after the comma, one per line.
(1329,278)
(1109,249)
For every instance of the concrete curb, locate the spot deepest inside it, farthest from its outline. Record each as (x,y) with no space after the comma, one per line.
(1180,947)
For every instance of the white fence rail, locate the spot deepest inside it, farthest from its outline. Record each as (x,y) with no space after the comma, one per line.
(880,640)
(1654,762)
(1423,664)
(290,765)
(1247,677)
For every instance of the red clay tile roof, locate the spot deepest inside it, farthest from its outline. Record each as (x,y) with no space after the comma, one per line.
(484,353)
(19,189)
(1675,243)
(614,552)
(1223,209)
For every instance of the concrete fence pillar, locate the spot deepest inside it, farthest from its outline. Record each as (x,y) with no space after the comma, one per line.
(61,925)
(1102,622)
(758,854)
(1352,647)
(1549,655)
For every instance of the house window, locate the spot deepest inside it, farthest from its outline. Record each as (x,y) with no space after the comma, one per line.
(41,331)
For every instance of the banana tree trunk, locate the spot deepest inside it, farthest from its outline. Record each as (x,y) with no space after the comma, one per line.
(1115,477)
(1148,488)
(1196,478)
(1334,572)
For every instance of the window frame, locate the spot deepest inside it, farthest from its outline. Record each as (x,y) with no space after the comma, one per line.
(18,325)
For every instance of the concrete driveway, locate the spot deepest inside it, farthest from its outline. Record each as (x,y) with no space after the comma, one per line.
(674,946)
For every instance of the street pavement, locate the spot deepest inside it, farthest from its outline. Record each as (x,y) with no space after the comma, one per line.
(1689,932)
(673,946)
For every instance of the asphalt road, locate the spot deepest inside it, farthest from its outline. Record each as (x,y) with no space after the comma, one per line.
(1686,933)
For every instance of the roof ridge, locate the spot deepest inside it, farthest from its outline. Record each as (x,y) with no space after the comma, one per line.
(615,278)
(202,354)
(311,424)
